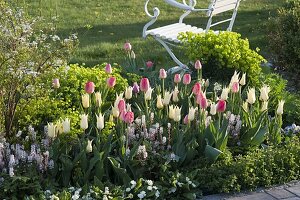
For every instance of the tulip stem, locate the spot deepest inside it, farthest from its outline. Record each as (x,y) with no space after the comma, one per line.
(163,88)
(146,105)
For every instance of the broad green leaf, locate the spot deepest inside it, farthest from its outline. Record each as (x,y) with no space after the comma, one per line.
(212,153)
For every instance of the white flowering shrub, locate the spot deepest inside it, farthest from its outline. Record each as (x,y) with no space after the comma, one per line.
(27,50)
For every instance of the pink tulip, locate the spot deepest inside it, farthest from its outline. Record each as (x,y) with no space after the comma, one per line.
(198,64)
(186,119)
(55,83)
(221,105)
(108,69)
(123,115)
(177,78)
(121,105)
(111,82)
(127,46)
(162,74)
(201,100)
(186,79)
(89,87)
(196,88)
(144,84)
(149,64)
(235,87)
(129,117)
(136,87)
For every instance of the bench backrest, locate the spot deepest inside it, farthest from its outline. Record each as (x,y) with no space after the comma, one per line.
(220,6)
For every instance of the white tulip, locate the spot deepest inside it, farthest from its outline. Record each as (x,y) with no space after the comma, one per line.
(167,98)
(280,107)
(191,114)
(171,112)
(118,98)
(59,128)
(89,147)
(159,103)
(115,111)
(213,108)
(66,125)
(98,99)
(84,121)
(251,96)
(177,116)
(264,106)
(245,106)
(148,94)
(243,79)
(175,94)
(51,130)
(224,95)
(264,93)
(85,100)
(128,93)
(100,121)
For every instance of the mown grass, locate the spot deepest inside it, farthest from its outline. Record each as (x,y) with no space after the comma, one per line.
(104,26)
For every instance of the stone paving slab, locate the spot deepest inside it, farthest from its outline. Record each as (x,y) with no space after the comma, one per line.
(289,191)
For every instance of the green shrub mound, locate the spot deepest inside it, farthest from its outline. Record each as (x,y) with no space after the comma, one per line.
(285,36)
(221,54)
(65,101)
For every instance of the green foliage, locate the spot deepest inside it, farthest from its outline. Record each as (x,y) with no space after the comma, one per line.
(222,54)
(55,104)
(285,36)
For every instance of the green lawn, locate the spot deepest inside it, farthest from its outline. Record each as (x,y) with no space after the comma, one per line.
(103,26)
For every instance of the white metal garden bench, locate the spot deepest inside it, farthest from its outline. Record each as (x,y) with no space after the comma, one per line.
(167,35)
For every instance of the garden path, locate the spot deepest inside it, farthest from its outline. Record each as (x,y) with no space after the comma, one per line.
(289,191)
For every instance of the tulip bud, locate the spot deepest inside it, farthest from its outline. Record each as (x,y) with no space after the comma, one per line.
(89,87)
(251,96)
(221,105)
(98,99)
(84,121)
(55,83)
(85,100)
(111,82)
(191,115)
(171,112)
(115,111)
(136,87)
(213,108)
(149,64)
(159,103)
(59,128)
(245,106)
(264,106)
(128,107)
(206,83)
(224,94)
(177,115)
(127,46)
(100,121)
(89,147)
(234,78)
(51,130)
(197,88)
(144,84)
(243,79)
(175,94)
(162,74)
(108,68)
(132,54)
(235,87)
(148,94)
(280,107)
(121,105)
(128,92)
(177,78)
(167,98)
(118,98)
(66,125)
(187,79)
(186,120)
(198,64)
(129,117)
(264,93)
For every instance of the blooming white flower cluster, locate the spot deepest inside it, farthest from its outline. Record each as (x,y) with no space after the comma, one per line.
(146,186)
(292,129)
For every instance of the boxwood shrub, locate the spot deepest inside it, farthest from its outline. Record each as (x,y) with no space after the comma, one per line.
(223,53)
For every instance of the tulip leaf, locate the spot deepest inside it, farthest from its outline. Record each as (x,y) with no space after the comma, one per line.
(259,137)
(211,153)
(121,172)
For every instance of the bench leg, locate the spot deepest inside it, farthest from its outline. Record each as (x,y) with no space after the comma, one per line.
(180,64)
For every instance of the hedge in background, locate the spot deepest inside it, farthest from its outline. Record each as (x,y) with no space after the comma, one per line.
(285,36)
(222,54)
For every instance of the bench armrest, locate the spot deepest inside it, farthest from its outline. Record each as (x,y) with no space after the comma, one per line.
(183,5)
(153,17)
